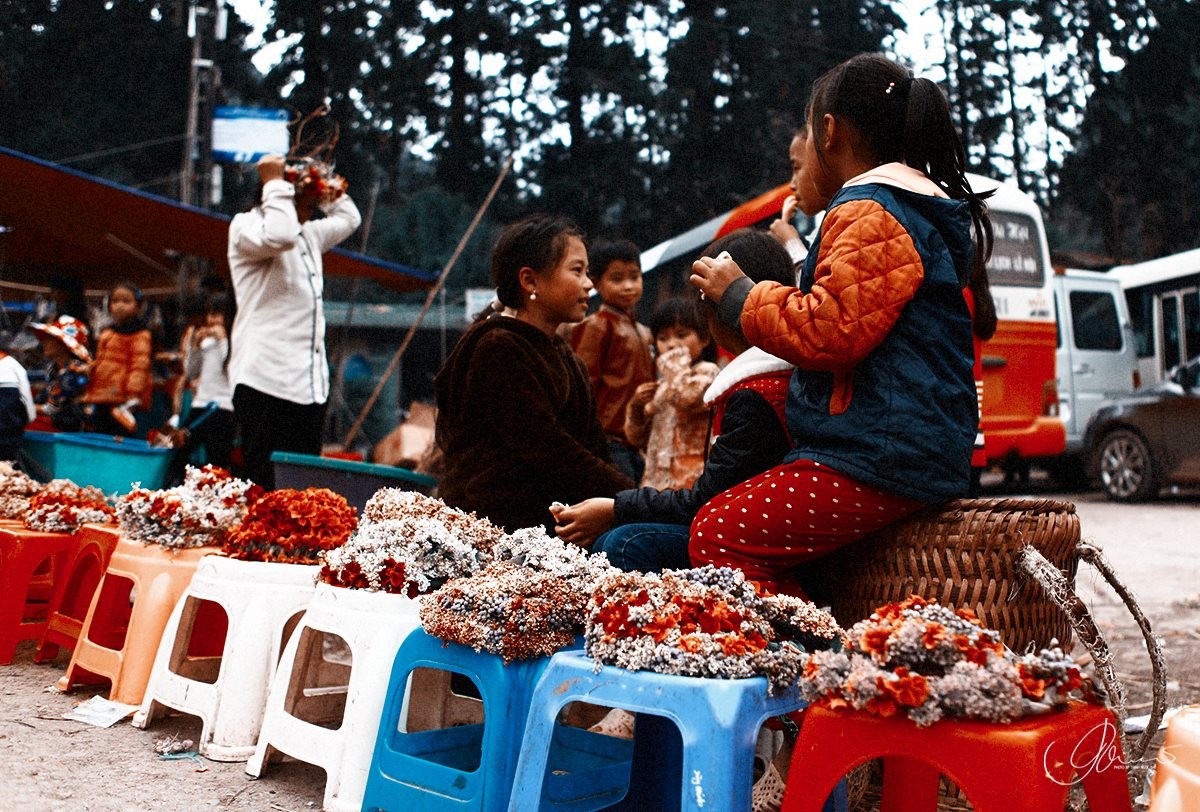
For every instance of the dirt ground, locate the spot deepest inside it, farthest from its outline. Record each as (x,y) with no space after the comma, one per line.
(49,764)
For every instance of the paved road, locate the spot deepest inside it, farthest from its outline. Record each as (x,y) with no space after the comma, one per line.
(1154,547)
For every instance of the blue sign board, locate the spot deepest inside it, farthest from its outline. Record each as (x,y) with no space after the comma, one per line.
(245,134)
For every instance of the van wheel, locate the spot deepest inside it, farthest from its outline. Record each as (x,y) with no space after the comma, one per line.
(1125,467)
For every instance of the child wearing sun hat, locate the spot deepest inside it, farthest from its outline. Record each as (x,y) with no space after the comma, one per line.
(64,342)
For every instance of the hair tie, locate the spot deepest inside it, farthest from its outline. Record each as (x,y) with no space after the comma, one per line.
(891,86)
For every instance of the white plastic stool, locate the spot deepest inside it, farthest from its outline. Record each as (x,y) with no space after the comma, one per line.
(323,710)
(263,601)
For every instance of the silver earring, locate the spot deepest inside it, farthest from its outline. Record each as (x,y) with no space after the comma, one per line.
(533,296)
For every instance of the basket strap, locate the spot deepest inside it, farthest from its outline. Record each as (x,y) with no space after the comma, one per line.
(1092,554)
(1060,592)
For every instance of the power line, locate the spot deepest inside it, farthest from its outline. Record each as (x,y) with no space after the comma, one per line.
(127,148)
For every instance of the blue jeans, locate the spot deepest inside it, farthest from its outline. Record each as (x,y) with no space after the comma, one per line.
(647,547)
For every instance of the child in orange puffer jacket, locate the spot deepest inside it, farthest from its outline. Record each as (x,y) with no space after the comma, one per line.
(120,382)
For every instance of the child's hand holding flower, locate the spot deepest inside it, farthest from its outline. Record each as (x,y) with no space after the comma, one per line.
(713,275)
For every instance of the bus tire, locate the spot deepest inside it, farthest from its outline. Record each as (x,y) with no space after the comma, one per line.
(1125,467)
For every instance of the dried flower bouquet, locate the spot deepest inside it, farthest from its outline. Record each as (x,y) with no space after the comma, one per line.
(529,602)
(292,526)
(928,661)
(63,507)
(704,622)
(16,487)
(198,513)
(409,543)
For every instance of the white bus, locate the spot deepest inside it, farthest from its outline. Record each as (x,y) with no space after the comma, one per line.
(1164,305)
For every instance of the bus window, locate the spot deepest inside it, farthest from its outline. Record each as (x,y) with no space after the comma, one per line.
(1170,332)
(1016,257)
(1141,312)
(1191,323)
(1162,295)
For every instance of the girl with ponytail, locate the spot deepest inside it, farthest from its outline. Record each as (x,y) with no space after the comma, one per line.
(882,406)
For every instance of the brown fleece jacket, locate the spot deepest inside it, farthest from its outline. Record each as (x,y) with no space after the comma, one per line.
(517,426)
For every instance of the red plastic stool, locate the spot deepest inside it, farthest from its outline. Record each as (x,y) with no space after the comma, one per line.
(89,557)
(41,585)
(29,560)
(1028,764)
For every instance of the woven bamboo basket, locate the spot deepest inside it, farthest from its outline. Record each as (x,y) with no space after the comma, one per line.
(962,554)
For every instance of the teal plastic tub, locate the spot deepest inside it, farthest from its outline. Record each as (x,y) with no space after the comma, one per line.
(356,481)
(113,464)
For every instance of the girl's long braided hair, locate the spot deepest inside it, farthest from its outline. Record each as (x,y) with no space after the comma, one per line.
(907,119)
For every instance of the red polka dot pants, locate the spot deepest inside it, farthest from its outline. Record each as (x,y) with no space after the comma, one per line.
(788,515)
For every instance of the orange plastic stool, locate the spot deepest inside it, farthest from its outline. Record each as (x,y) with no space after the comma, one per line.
(1028,764)
(1177,768)
(89,557)
(128,614)
(29,560)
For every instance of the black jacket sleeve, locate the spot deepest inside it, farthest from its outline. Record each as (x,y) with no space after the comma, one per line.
(752,440)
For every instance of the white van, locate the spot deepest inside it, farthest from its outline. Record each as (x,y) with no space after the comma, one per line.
(1097,356)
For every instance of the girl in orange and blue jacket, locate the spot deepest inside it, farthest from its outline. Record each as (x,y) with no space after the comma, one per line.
(882,408)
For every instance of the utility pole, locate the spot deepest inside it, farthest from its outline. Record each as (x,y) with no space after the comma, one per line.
(194,146)
(187,171)
(200,70)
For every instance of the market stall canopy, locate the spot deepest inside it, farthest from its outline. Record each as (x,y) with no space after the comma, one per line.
(55,220)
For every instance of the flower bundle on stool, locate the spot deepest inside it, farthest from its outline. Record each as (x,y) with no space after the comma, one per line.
(16,488)
(198,513)
(292,526)
(527,603)
(63,507)
(704,622)
(929,661)
(408,543)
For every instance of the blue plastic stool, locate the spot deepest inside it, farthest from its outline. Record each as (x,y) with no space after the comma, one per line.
(705,761)
(471,766)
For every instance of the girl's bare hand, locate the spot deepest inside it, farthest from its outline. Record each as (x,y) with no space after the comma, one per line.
(713,275)
(581,523)
(790,204)
(784,231)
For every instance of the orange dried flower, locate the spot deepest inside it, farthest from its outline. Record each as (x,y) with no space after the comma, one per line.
(933,635)
(874,640)
(907,688)
(1031,686)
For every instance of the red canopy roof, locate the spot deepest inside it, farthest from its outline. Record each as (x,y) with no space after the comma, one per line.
(58,220)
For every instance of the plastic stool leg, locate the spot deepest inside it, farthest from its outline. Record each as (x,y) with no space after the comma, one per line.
(909,785)
(16,574)
(1107,788)
(813,779)
(657,751)
(709,772)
